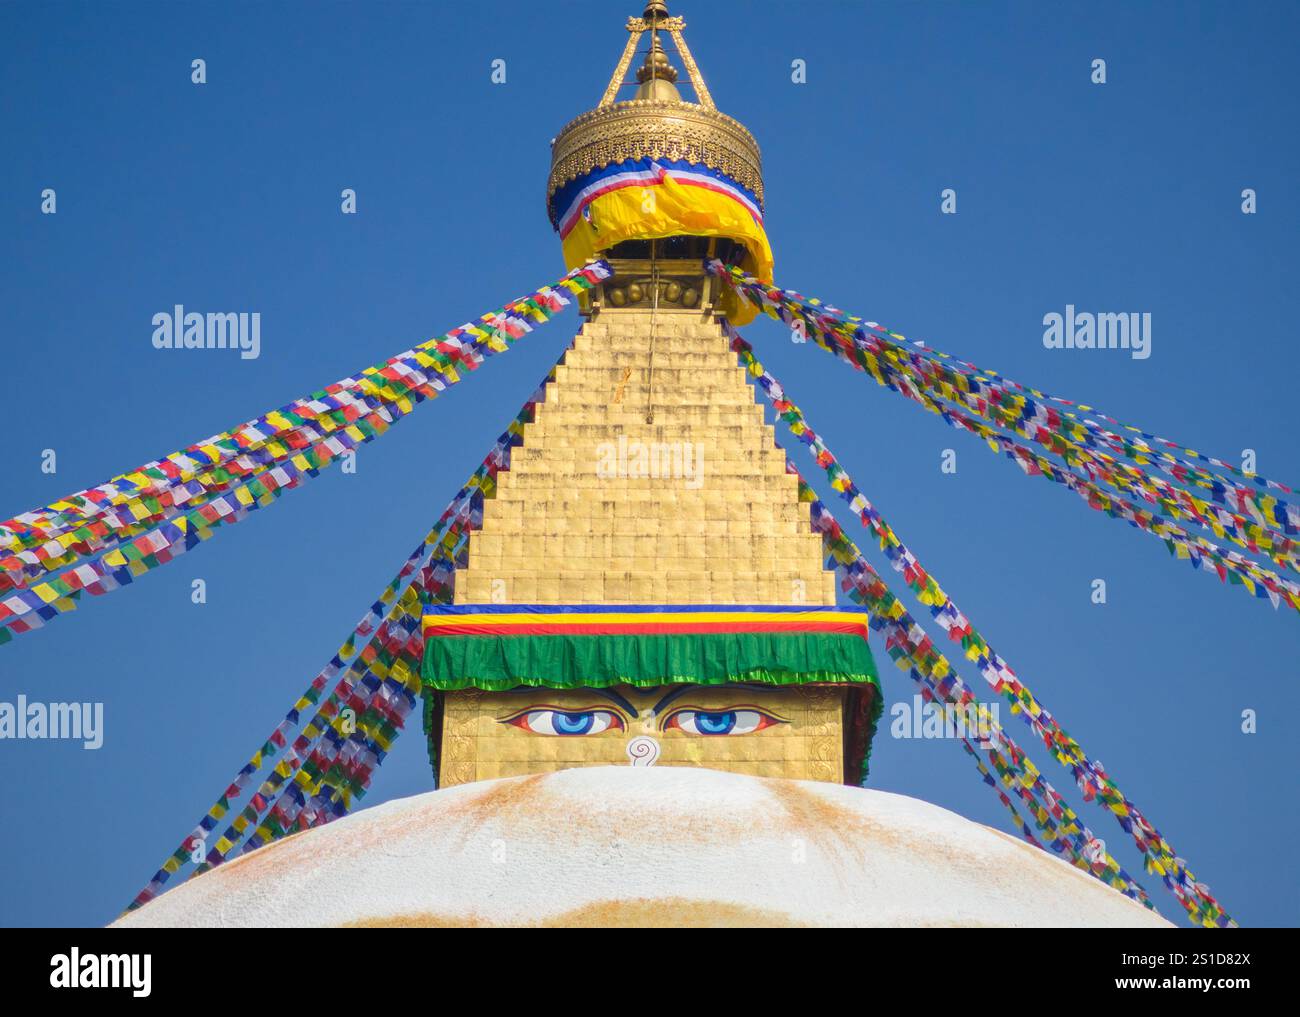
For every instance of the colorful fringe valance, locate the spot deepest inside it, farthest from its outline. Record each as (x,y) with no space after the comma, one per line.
(498,647)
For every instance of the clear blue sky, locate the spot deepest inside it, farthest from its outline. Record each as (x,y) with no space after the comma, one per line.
(1122,197)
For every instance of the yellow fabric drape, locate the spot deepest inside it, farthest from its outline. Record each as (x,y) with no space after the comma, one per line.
(667,209)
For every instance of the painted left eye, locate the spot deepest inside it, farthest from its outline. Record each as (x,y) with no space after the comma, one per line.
(567,722)
(728,722)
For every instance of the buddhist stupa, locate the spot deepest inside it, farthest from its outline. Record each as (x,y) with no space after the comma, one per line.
(644,706)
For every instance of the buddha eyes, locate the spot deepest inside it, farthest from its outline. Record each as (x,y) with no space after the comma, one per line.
(567,722)
(727,722)
(570,723)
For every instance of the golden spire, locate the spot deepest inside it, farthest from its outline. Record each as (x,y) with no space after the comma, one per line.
(655,19)
(657,75)
(656,122)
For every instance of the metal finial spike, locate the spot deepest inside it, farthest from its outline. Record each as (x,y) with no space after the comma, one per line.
(656,64)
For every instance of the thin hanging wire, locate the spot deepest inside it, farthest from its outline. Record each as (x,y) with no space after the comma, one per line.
(654,311)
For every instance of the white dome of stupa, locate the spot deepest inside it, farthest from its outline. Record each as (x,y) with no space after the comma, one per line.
(661,846)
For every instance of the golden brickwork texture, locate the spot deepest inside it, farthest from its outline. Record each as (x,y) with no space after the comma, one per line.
(601,507)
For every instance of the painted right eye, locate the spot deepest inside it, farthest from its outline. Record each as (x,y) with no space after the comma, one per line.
(724,722)
(567,722)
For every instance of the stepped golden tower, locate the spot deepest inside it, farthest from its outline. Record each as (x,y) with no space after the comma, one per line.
(649,479)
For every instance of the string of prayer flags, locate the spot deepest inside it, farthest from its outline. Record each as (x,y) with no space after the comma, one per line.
(1016,819)
(191,848)
(1231,567)
(1074,445)
(864,587)
(348,743)
(1255,519)
(769,297)
(1092,780)
(862,349)
(909,648)
(26,610)
(29,607)
(331,766)
(420,580)
(139,515)
(340,765)
(161,488)
(914,652)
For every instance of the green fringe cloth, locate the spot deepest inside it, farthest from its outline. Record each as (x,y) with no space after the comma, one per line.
(496,663)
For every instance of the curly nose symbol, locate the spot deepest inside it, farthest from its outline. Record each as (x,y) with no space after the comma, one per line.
(643,751)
